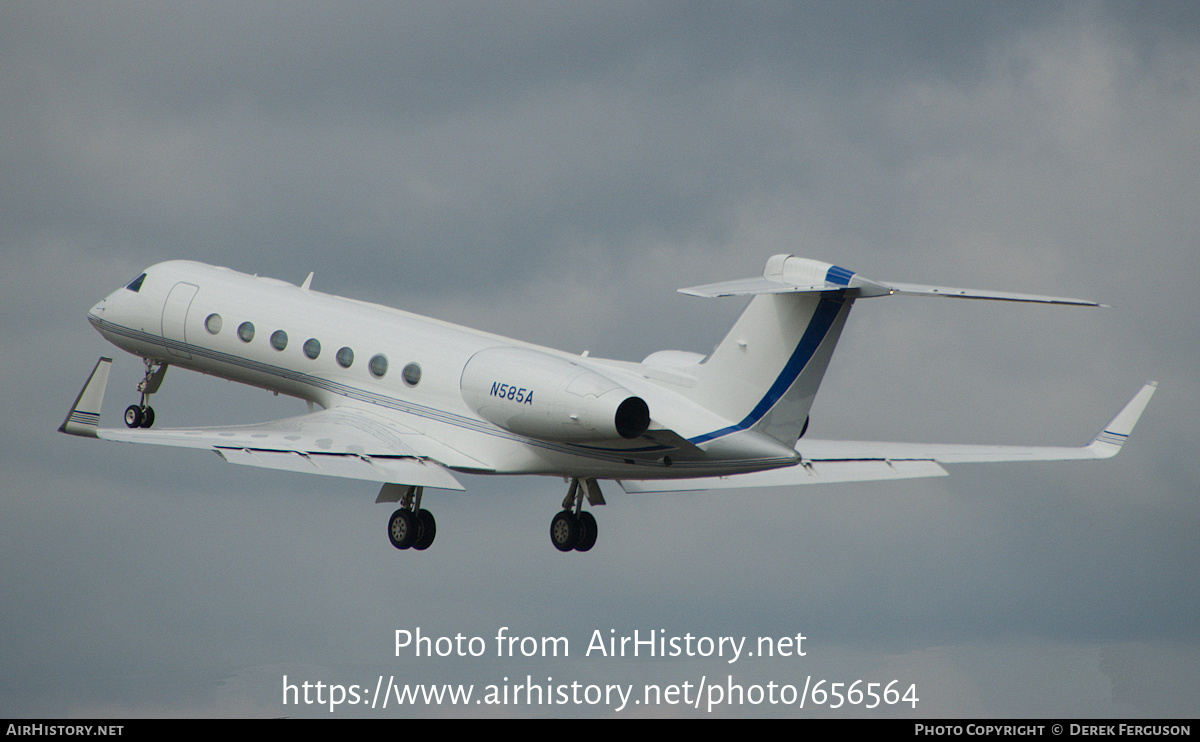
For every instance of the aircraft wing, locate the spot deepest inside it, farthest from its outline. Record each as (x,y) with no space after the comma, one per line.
(341,442)
(862,461)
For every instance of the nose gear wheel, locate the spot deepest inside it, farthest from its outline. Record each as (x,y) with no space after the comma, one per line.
(141,415)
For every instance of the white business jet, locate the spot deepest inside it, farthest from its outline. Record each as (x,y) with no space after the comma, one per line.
(407,401)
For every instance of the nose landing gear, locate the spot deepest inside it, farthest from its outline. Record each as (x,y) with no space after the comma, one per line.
(141,415)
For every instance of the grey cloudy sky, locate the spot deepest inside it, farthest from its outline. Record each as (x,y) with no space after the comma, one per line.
(554,171)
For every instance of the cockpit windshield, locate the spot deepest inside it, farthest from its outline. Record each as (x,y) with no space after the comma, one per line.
(136,284)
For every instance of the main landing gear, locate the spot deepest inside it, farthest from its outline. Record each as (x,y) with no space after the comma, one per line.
(574,529)
(410,527)
(141,415)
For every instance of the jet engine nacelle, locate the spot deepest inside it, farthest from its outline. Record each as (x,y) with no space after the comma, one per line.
(542,396)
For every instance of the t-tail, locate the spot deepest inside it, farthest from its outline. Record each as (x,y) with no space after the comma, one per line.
(765,373)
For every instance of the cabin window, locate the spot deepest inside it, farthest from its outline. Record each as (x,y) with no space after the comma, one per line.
(312,348)
(345,357)
(279,340)
(213,324)
(246,332)
(378,365)
(136,284)
(411,374)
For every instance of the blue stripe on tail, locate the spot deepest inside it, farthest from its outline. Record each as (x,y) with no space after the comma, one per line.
(840,276)
(818,327)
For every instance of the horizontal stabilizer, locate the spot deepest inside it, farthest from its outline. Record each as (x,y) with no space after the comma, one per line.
(786,274)
(755,286)
(914,289)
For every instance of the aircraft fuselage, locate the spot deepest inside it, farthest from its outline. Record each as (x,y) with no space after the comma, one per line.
(506,406)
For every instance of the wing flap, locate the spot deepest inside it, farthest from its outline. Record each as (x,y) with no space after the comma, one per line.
(338,431)
(348,443)
(755,286)
(339,442)
(415,471)
(807,472)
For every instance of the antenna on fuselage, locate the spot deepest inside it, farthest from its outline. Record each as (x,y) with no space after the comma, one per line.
(307,282)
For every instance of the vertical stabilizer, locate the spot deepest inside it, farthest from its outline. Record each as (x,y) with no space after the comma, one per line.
(764,375)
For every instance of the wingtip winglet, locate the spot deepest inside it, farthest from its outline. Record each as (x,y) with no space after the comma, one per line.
(84,417)
(1109,440)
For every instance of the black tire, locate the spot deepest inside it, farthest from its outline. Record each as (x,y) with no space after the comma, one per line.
(403,528)
(428,529)
(133,416)
(147,417)
(564,531)
(587,532)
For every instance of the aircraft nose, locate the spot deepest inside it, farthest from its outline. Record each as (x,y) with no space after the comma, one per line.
(98,309)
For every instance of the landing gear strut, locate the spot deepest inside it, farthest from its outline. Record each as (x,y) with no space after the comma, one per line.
(574,529)
(410,527)
(141,415)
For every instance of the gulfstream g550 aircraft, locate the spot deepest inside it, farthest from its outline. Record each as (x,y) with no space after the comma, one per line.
(407,401)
